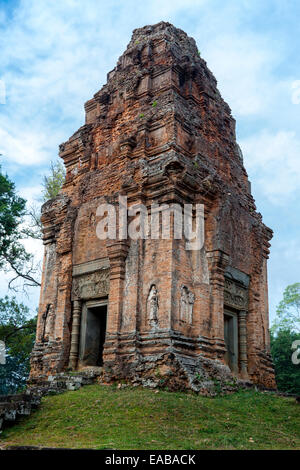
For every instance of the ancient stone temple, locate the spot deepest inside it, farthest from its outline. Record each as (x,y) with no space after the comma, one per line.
(147,309)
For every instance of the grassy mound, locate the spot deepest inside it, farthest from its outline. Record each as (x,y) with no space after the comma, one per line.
(105,417)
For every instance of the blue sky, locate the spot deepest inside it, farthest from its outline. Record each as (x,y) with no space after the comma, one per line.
(55,56)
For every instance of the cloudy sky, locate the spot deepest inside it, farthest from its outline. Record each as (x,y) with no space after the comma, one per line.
(55,56)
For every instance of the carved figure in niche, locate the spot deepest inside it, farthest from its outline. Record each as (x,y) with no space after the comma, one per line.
(48,324)
(152,305)
(186,305)
(191,300)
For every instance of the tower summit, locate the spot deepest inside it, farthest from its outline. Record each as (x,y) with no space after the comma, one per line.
(148,308)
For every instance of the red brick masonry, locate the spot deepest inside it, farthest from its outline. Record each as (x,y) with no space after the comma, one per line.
(157,132)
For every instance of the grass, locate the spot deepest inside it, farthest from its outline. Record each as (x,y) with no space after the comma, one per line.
(105,417)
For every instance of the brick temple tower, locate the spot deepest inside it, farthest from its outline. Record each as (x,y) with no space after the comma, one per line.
(149,309)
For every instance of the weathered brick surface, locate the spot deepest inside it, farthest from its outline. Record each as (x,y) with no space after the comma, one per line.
(157,132)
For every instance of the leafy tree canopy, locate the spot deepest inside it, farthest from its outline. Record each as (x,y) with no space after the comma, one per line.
(17,330)
(287,373)
(16,326)
(13,255)
(12,210)
(288,310)
(52,183)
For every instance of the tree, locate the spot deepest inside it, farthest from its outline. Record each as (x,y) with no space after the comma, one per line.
(285,330)
(13,255)
(24,267)
(17,330)
(12,210)
(34,227)
(288,310)
(287,373)
(52,183)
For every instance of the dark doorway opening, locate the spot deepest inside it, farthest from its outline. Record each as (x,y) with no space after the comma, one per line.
(231,340)
(94,336)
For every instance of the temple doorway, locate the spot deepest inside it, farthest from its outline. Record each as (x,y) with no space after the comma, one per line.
(93,330)
(231,340)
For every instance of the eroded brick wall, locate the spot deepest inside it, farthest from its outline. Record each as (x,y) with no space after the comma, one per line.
(157,132)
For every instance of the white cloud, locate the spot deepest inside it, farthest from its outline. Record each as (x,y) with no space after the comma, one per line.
(25,148)
(242,64)
(56,56)
(35,247)
(32,194)
(273,160)
(295,92)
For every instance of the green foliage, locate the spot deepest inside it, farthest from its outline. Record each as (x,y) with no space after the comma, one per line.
(288,310)
(12,210)
(12,252)
(284,331)
(13,375)
(142,115)
(100,417)
(154,104)
(287,373)
(52,183)
(17,330)
(217,386)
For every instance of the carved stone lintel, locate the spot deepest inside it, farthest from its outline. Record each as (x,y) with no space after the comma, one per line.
(91,285)
(235,295)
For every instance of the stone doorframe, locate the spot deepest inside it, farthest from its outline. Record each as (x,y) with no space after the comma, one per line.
(90,283)
(236,297)
(103,302)
(232,343)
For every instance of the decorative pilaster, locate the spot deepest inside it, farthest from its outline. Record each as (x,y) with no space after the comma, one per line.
(243,343)
(117,252)
(218,261)
(74,351)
